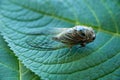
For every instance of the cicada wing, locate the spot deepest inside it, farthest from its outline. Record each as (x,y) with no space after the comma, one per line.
(44,43)
(43,39)
(47,31)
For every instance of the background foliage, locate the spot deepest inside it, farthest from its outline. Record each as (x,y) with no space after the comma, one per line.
(10,67)
(20,20)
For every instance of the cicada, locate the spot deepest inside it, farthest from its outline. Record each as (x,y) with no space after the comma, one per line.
(68,36)
(76,35)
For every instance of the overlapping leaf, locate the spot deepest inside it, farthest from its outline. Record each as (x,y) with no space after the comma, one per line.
(10,67)
(99,60)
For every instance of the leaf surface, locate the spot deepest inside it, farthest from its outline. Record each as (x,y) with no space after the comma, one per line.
(99,60)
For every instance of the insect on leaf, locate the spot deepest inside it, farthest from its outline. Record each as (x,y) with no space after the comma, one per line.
(98,60)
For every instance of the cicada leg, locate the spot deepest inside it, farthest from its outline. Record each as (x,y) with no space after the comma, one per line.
(83,44)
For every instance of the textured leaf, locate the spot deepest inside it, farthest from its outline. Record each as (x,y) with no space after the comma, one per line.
(10,67)
(99,60)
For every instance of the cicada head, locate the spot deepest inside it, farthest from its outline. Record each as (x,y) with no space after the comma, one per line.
(86,34)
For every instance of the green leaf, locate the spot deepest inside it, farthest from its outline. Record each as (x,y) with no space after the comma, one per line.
(10,67)
(100,60)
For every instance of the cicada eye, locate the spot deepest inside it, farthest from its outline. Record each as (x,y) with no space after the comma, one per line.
(94,38)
